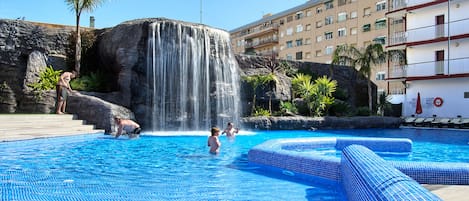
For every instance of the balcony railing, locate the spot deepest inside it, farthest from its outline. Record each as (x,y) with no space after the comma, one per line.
(261,42)
(264,28)
(434,68)
(399,4)
(458,27)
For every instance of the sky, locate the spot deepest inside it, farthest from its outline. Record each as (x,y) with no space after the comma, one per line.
(221,14)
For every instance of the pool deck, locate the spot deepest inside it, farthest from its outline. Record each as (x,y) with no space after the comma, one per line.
(27,127)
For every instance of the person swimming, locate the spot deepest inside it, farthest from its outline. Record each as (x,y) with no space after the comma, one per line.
(213,142)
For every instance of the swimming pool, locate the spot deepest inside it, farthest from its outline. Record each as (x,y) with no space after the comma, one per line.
(97,167)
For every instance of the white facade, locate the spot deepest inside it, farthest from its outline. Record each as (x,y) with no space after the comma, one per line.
(436,43)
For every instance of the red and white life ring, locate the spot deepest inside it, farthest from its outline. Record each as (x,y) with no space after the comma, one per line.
(438,101)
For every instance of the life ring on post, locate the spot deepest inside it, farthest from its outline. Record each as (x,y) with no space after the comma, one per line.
(438,101)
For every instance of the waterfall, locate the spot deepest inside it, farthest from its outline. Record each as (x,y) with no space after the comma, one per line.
(194,77)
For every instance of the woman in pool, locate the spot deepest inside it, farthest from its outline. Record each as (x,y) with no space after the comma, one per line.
(213,141)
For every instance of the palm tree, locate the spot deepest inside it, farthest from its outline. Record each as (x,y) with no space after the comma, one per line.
(362,60)
(78,6)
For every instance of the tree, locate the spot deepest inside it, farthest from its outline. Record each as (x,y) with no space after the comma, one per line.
(362,60)
(318,95)
(78,6)
(255,81)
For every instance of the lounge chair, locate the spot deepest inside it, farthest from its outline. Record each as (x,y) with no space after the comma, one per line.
(453,121)
(462,123)
(441,122)
(419,121)
(409,121)
(428,121)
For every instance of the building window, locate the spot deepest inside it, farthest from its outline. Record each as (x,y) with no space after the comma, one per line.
(342,2)
(289,44)
(466,94)
(380,76)
(380,23)
(299,15)
(318,10)
(367,11)
(329,5)
(341,17)
(341,32)
(289,18)
(309,13)
(329,20)
(308,55)
(299,42)
(318,24)
(318,38)
(328,35)
(380,40)
(289,57)
(289,31)
(307,41)
(381,6)
(366,27)
(308,27)
(299,28)
(318,53)
(282,21)
(353,14)
(353,31)
(299,55)
(329,50)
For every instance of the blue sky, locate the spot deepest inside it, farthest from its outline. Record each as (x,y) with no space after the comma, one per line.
(222,14)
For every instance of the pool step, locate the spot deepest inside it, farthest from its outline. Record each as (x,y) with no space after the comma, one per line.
(31,126)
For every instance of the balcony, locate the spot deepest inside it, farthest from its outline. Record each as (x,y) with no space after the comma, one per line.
(431,69)
(261,42)
(400,4)
(260,30)
(429,33)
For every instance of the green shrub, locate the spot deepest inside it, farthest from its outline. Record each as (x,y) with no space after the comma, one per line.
(47,79)
(288,108)
(363,111)
(95,81)
(339,108)
(261,112)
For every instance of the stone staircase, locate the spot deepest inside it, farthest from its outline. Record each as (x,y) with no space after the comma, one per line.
(30,126)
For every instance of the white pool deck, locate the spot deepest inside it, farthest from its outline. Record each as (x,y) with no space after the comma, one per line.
(14,127)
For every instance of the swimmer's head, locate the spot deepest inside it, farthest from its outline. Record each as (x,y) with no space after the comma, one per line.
(215,131)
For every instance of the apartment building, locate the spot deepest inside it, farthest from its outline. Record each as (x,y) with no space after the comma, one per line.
(435,36)
(311,31)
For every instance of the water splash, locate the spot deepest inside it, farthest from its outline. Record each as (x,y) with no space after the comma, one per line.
(194,77)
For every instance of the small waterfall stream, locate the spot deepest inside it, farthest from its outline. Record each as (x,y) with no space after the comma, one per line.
(194,77)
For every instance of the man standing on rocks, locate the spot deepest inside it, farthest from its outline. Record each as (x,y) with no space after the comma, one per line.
(63,89)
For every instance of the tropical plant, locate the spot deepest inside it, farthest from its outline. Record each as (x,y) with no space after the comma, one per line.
(95,81)
(48,79)
(255,81)
(362,60)
(78,6)
(383,104)
(261,112)
(318,96)
(288,108)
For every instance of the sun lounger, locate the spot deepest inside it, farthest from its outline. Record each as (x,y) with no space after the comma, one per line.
(462,123)
(409,121)
(419,121)
(441,122)
(428,121)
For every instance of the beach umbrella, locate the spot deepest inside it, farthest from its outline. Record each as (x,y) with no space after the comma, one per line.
(418,108)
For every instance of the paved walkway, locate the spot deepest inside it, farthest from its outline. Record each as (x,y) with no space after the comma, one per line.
(31,126)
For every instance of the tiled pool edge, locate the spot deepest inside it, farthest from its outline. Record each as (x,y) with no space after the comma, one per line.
(279,154)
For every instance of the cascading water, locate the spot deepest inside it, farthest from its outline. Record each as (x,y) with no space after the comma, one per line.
(194,77)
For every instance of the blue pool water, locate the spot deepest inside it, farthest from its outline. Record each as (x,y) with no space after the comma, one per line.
(98,167)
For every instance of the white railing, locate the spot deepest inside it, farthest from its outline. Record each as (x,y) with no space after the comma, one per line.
(424,69)
(399,4)
(458,27)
